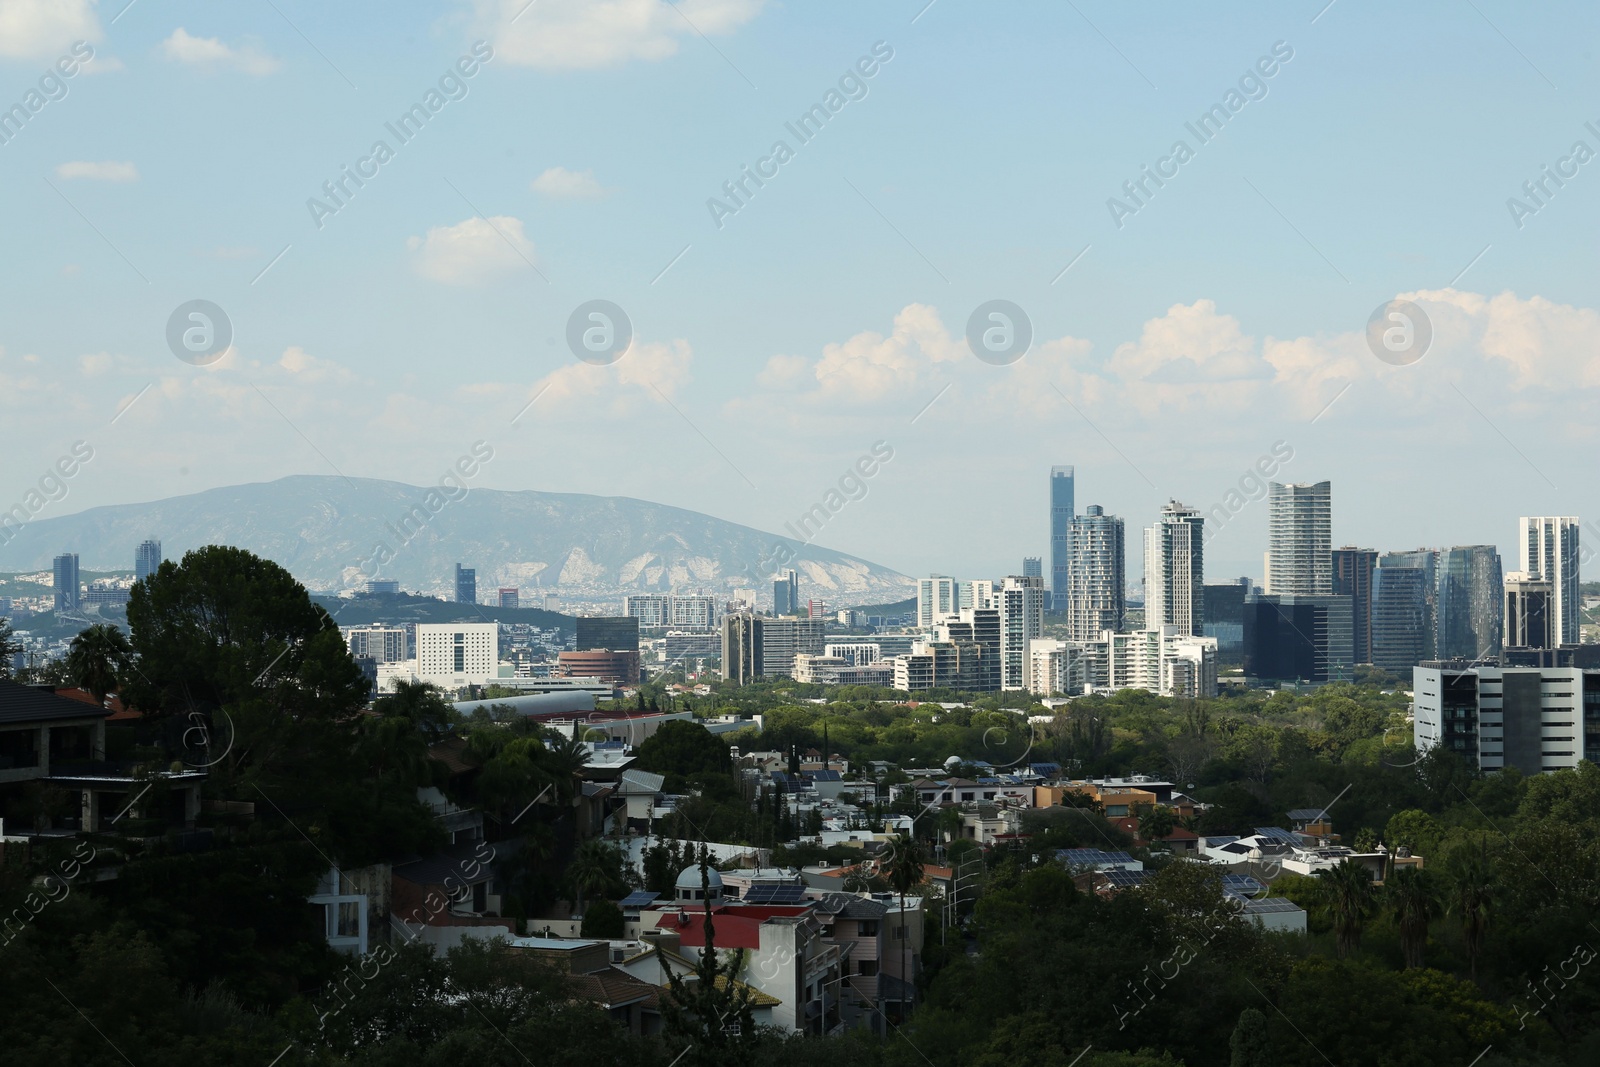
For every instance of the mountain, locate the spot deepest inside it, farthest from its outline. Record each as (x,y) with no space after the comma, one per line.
(336,533)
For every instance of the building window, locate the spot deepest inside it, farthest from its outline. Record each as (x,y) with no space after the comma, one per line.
(868,968)
(899,933)
(348,921)
(869,929)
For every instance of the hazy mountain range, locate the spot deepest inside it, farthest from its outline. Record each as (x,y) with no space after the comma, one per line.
(335,533)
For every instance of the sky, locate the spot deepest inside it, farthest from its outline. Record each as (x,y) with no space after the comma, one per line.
(958,153)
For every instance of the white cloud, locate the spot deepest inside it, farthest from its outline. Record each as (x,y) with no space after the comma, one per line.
(210,52)
(307,369)
(582,34)
(562,184)
(98,172)
(650,366)
(36,29)
(473,251)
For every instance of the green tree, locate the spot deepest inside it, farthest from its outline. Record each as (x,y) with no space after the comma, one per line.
(1411,897)
(1471,892)
(10,647)
(603,919)
(424,705)
(1249,1045)
(681,749)
(98,658)
(1348,894)
(596,868)
(709,1012)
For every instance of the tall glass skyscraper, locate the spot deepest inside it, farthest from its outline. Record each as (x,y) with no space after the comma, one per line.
(1403,607)
(1470,603)
(146,560)
(68,594)
(466,584)
(1352,577)
(1299,539)
(1062,510)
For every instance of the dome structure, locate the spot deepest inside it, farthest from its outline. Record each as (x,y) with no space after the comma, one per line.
(689,889)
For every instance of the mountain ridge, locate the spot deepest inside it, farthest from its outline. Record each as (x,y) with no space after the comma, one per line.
(335,533)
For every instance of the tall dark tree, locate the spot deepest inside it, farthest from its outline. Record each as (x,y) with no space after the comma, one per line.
(1349,895)
(710,1013)
(1410,895)
(1249,1045)
(10,647)
(907,859)
(1471,881)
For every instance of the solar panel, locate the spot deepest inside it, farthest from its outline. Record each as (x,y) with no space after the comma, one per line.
(774,894)
(639,899)
(1272,904)
(1242,884)
(1277,833)
(1122,878)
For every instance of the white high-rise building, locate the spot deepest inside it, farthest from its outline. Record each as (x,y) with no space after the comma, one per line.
(937,599)
(1162,661)
(1174,572)
(1055,667)
(695,612)
(854,653)
(977,594)
(454,654)
(651,609)
(1299,539)
(1021,621)
(1096,593)
(1550,554)
(385,644)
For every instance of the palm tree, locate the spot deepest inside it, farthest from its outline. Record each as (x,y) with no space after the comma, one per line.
(593,870)
(907,857)
(1411,896)
(1349,894)
(1471,888)
(97,658)
(562,762)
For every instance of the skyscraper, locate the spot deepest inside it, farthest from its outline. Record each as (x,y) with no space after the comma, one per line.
(1174,570)
(1096,600)
(1528,618)
(1021,621)
(1352,577)
(937,599)
(146,560)
(1062,512)
(1402,615)
(1470,604)
(1549,546)
(466,585)
(1299,539)
(67,594)
(786,593)
(1032,567)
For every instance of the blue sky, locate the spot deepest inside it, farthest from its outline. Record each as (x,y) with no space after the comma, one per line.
(1223,316)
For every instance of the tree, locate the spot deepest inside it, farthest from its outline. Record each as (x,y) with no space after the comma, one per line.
(98,658)
(1249,1047)
(1348,894)
(603,919)
(711,1014)
(1471,879)
(1411,897)
(904,868)
(424,705)
(682,749)
(596,868)
(10,647)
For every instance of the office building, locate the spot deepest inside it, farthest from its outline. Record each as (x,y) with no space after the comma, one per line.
(1159,660)
(1021,621)
(685,648)
(1096,581)
(456,654)
(786,593)
(1404,606)
(1549,546)
(383,587)
(1174,570)
(466,585)
(1299,539)
(1470,604)
(1534,719)
(1224,619)
(854,653)
(783,639)
(1352,577)
(1062,512)
(1056,668)
(1032,567)
(607,633)
(741,647)
(68,591)
(1299,639)
(981,671)
(508,596)
(977,594)
(939,665)
(692,612)
(816,609)
(936,599)
(146,560)
(383,644)
(618,666)
(1529,619)
(653,610)
(818,670)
